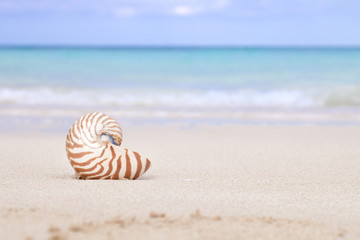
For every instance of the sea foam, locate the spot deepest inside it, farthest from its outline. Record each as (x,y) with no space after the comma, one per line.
(345,96)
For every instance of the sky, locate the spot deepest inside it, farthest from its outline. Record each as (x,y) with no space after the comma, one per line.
(180,22)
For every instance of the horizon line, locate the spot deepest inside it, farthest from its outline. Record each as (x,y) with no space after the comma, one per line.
(176,46)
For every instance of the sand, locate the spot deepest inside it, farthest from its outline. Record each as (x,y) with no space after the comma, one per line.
(206,182)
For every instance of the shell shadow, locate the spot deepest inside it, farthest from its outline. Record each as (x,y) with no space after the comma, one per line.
(72,177)
(146,177)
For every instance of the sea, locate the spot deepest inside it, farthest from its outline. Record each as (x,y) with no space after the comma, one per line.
(240,85)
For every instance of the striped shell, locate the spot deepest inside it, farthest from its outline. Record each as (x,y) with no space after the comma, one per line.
(93,148)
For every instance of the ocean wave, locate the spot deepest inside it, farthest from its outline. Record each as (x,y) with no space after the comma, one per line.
(344,96)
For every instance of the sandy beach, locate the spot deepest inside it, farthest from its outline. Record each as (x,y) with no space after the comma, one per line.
(206,182)
(238,120)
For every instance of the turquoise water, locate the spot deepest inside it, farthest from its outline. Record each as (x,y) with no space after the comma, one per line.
(181,77)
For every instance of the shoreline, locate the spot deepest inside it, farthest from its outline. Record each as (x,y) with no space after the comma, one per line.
(54,119)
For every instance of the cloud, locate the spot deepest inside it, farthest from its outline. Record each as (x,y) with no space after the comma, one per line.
(183,10)
(124,11)
(119,8)
(126,8)
(221,3)
(196,7)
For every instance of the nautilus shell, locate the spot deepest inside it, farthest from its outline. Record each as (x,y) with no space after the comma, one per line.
(94,151)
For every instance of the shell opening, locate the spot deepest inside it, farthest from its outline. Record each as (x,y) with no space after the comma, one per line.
(107,138)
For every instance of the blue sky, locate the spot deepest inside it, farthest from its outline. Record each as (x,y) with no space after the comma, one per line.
(180,22)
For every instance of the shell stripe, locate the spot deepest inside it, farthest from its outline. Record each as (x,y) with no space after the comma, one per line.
(128,166)
(95,158)
(117,172)
(138,159)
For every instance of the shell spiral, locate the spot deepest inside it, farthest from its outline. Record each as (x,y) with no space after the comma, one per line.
(94,151)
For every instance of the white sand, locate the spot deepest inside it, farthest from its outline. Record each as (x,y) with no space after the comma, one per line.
(209,182)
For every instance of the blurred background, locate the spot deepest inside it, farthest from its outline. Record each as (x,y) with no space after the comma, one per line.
(180,61)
